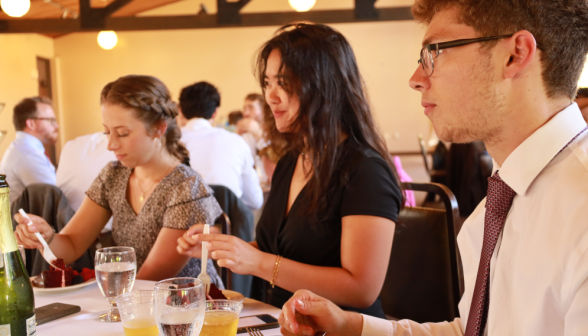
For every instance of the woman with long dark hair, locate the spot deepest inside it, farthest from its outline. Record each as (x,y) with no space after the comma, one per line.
(328,223)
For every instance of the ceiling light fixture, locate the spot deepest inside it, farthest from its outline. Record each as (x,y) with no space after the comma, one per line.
(107,39)
(15,8)
(302,5)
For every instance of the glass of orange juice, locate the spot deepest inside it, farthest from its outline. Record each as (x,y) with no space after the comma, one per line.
(221,318)
(136,312)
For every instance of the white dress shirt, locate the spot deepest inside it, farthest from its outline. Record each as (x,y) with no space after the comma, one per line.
(539,269)
(222,158)
(80,162)
(25,163)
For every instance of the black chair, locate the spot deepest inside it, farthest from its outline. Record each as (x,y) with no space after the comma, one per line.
(424,281)
(225,274)
(49,202)
(437,170)
(468,166)
(240,224)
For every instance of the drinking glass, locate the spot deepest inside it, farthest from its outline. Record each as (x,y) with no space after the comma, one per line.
(179,306)
(221,318)
(115,268)
(136,312)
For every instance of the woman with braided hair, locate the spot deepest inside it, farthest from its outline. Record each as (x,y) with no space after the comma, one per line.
(152,196)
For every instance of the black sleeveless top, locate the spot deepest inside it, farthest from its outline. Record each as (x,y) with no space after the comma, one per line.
(371,190)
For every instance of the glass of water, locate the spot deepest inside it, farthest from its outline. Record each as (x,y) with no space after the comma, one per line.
(180,305)
(115,268)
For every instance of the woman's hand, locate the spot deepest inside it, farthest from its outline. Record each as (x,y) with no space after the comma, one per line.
(234,253)
(306,313)
(189,244)
(25,234)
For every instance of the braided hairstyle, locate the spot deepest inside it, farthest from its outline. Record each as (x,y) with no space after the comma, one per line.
(150,99)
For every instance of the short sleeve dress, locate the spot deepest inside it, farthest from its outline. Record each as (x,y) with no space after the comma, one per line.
(371,190)
(179,201)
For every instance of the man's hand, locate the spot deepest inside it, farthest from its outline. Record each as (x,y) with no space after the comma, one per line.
(249,125)
(306,313)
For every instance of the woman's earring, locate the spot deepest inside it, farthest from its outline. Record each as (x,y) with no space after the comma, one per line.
(158,143)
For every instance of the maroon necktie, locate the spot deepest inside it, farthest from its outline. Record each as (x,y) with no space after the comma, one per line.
(498,202)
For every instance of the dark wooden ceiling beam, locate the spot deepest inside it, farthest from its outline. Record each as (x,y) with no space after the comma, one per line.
(198,21)
(366,9)
(95,18)
(228,12)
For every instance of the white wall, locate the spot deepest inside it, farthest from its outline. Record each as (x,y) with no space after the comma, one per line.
(18,71)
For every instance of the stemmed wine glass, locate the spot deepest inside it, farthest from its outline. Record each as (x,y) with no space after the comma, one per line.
(180,305)
(115,268)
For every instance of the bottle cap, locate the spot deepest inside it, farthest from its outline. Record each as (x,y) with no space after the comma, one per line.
(3,183)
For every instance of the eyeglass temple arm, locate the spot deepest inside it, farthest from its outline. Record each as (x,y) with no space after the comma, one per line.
(459,43)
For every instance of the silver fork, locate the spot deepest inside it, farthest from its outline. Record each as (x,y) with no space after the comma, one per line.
(204,277)
(254,332)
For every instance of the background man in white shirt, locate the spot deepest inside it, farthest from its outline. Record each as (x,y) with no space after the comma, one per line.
(219,156)
(80,162)
(515,92)
(25,162)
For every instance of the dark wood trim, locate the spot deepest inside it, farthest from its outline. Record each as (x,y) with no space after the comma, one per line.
(95,18)
(64,26)
(228,12)
(366,9)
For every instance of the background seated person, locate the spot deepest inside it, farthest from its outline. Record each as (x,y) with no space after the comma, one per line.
(219,156)
(152,197)
(232,120)
(328,223)
(24,161)
(80,162)
(251,125)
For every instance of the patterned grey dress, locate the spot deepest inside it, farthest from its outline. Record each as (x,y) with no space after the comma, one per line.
(180,200)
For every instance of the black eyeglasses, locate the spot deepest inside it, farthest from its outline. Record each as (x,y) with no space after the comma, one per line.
(427,56)
(52,121)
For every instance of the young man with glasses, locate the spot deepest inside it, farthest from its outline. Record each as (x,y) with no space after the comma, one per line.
(504,72)
(25,162)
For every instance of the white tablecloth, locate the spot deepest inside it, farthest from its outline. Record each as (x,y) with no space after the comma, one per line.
(93,304)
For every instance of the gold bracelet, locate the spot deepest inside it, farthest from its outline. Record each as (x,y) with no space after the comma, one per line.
(276,269)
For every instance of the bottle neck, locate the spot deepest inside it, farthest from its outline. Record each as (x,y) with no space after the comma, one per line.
(7,240)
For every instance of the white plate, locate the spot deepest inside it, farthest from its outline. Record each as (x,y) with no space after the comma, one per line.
(232,295)
(63,289)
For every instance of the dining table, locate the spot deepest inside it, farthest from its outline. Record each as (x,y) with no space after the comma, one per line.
(92,303)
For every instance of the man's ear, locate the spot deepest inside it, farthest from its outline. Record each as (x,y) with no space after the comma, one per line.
(214,114)
(521,51)
(30,124)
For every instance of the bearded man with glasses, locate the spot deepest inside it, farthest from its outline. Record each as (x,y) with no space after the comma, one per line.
(25,162)
(504,72)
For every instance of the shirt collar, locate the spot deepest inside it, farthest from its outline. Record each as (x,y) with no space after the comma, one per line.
(525,163)
(30,140)
(198,124)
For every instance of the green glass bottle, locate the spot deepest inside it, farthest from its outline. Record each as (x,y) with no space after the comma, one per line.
(17,302)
